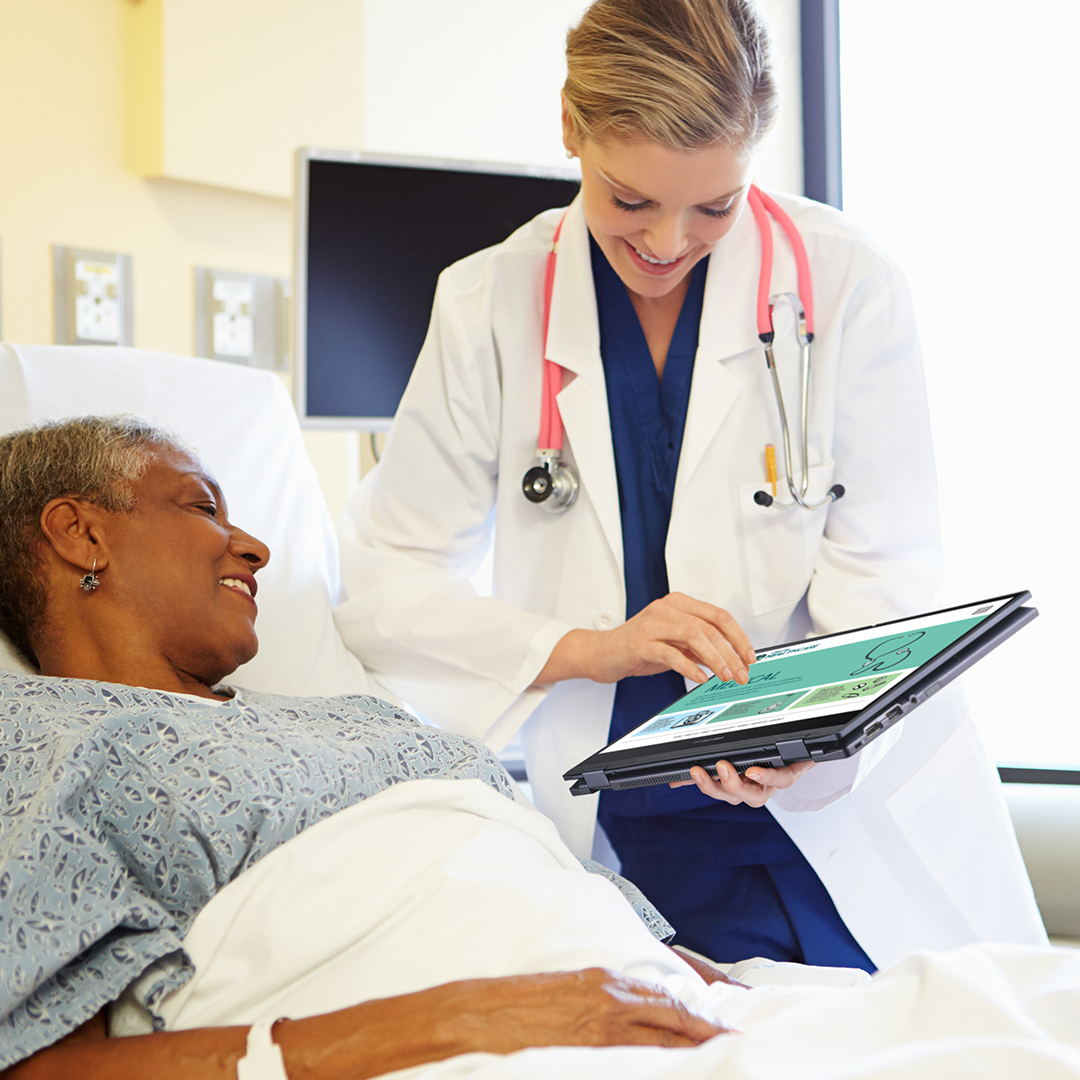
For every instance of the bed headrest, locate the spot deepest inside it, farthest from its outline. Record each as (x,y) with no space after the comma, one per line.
(241,422)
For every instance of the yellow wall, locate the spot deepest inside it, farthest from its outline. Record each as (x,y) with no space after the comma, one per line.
(227,89)
(66,177)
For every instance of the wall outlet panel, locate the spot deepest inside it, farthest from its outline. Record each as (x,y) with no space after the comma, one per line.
(91,297)
(241,318)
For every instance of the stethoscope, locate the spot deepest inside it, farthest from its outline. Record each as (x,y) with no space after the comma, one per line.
(553,484)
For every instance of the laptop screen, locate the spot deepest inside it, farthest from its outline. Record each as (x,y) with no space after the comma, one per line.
(818,677)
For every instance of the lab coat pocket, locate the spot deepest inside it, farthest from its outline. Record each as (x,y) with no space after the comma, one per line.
(780,546)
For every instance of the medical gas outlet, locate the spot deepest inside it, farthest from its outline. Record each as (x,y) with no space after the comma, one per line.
(92,297)
(241,318)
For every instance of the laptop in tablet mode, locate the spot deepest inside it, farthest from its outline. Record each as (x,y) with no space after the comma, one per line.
(815,700)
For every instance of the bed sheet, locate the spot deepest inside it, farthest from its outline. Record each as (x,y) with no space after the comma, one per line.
(493,891)
(996,1013)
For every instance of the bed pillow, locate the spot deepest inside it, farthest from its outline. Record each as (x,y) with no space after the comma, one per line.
(241,422)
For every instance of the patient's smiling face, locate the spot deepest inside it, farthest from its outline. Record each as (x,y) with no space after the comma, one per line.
(184,572)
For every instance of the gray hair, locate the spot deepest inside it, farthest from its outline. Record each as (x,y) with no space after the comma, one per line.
(94,458)
(683,73)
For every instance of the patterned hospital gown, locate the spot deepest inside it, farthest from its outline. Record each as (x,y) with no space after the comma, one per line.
(124,810)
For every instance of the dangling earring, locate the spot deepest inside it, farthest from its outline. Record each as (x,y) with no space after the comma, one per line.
(91,581)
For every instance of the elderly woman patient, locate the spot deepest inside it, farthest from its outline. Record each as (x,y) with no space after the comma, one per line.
(136,787)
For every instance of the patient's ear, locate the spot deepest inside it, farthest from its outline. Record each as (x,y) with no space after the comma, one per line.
(74,530)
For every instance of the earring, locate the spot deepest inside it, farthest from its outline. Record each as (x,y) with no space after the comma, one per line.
(571,155)
(91,581)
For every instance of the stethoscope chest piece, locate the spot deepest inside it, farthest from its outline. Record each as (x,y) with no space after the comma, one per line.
(552,485)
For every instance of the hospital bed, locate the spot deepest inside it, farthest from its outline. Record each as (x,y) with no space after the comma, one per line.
(241,422)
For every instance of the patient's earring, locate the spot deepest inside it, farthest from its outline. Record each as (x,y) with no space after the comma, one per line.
(91,581)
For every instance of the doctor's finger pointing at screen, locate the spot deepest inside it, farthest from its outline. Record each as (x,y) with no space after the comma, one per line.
(691,416)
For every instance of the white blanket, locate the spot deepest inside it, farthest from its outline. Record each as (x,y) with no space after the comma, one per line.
(438,880)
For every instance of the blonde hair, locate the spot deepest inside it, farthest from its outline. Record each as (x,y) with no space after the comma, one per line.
(683,73)
(95,458)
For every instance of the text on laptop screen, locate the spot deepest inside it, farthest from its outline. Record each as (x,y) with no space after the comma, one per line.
(839,673)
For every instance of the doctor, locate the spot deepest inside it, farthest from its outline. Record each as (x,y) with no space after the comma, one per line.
(666,563)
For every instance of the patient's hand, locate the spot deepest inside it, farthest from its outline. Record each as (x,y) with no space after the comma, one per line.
(577,1008)
(754,787)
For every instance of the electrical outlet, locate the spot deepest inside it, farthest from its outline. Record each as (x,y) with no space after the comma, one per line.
(93,297)
(241,318)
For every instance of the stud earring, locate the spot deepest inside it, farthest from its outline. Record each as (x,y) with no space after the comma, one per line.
(571,155)
(91,581)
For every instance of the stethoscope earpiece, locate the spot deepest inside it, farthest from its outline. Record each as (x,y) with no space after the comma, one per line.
(763,498)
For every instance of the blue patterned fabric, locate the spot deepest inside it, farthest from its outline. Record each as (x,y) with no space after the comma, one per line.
(124,810)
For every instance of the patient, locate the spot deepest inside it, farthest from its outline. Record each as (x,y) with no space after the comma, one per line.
(136,786)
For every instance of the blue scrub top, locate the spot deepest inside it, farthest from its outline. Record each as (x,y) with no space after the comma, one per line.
(729,878)
(648,416)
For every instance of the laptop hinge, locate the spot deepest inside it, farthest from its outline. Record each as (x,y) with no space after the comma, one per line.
(793,750)
(596,780)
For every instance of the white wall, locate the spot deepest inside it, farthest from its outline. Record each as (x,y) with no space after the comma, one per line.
(480,80)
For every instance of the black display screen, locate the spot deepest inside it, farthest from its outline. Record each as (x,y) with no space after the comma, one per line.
(377,237)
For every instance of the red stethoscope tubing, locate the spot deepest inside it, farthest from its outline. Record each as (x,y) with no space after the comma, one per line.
(551,429)
(762,206)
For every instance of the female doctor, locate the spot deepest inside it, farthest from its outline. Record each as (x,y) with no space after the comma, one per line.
(644,295)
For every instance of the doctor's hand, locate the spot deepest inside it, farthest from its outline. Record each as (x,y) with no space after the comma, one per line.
(753,787)
(675,633)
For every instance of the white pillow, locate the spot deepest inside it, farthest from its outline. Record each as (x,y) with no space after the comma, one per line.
(241,422)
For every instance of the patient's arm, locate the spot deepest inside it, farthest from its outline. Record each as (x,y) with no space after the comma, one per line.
(578,1008)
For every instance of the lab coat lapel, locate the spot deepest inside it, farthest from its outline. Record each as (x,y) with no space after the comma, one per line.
(728,329)
(574,343)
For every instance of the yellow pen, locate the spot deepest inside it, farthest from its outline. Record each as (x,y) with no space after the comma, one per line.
(770,465)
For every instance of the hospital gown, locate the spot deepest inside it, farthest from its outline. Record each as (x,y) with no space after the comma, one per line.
(123,811)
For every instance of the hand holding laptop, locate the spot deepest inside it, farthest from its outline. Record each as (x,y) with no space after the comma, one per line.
(754,787)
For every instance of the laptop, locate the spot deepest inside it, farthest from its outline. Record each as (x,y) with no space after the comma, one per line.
(820,699)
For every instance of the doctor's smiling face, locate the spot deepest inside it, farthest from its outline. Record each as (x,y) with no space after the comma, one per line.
(656,212)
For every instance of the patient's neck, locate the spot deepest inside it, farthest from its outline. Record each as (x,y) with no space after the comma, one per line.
(119,659)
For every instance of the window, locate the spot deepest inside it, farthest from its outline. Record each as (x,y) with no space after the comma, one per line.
(958,156)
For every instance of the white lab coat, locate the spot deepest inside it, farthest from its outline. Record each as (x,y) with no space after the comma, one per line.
(919,851)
